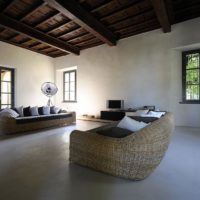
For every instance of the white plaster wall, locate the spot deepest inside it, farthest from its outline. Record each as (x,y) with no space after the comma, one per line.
(31,70)
(142,70)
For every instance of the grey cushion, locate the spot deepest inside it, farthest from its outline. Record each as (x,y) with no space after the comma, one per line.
(46,110)
(34,111)
(115,132)
(20,110)
(54,110)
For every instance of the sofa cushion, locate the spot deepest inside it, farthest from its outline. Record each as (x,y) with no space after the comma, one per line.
(34,111)
(54,110)
(20,110)
(115,132)
(146,119)
(8,112)
(27,111)
(131,124)
(46,110)
(23,120)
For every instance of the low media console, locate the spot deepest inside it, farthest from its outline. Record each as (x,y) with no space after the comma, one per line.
(114,115)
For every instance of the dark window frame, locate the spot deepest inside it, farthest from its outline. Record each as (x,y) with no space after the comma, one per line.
(184,63)
(75,82)
(12,86)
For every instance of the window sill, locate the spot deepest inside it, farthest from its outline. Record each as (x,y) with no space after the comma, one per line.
(69,101)
(189,102)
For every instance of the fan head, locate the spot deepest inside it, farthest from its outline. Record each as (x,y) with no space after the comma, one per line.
(49,89)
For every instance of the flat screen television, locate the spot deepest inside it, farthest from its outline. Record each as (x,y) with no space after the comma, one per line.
(115,104)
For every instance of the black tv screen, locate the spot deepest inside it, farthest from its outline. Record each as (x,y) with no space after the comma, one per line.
(115,104)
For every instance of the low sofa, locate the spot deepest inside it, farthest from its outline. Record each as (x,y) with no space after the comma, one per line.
(10,125)
(133,157)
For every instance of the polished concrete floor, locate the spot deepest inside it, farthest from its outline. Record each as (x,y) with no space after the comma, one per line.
(35,166)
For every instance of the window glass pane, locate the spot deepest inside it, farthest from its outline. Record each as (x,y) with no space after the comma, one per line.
(6,87)
(192,61)
(5,75)
(66,87)
(66,96)
(66,77)
(72,96)
(192,92)
(72,86)
(192,76)
(5,98)
(72,76)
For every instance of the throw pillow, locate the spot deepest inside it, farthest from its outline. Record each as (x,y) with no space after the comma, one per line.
(34,111)
(131,124)
(46,110)
(54,110)
(27,111)
(115,132)
(40,110)
(156,114)
(20,110)
(8,112)
(146,118)
(137,113)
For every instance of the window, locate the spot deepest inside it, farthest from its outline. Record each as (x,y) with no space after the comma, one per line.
(6,87)
(191,76)
(69,86)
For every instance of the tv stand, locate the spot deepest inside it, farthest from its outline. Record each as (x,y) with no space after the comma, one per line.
(114,115)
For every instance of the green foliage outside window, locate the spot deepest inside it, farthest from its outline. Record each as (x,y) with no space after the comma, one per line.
(192,76)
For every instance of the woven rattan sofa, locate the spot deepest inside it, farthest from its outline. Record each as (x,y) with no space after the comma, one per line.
(9,125)
(133,157)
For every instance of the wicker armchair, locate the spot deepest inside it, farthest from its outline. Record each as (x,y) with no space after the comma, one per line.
(133,157)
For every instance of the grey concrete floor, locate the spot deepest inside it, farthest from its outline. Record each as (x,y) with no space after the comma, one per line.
(35,166)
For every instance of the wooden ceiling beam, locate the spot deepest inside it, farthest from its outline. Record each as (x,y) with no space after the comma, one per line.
(35,34)
(160,8)
(74,11)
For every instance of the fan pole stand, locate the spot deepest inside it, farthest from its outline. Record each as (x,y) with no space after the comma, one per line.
(49,102)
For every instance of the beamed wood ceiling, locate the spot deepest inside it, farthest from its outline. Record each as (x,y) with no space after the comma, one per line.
(59,27)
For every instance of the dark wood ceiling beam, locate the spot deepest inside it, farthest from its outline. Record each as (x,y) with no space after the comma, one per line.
(162,15)
(35,34)
(73,10)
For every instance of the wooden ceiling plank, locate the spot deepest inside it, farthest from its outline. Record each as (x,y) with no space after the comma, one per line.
(6,5)
(9,4)
(22,46)
(48,18)
(74,11)
(57,27)
(35,34)
(123,10)
(162,14)
(104,5)
(33,10)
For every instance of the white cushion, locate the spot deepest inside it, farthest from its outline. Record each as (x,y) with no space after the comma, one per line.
(34,111)
(137,113)
(156,114)
(20,110)
(131,124)
(7,112)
